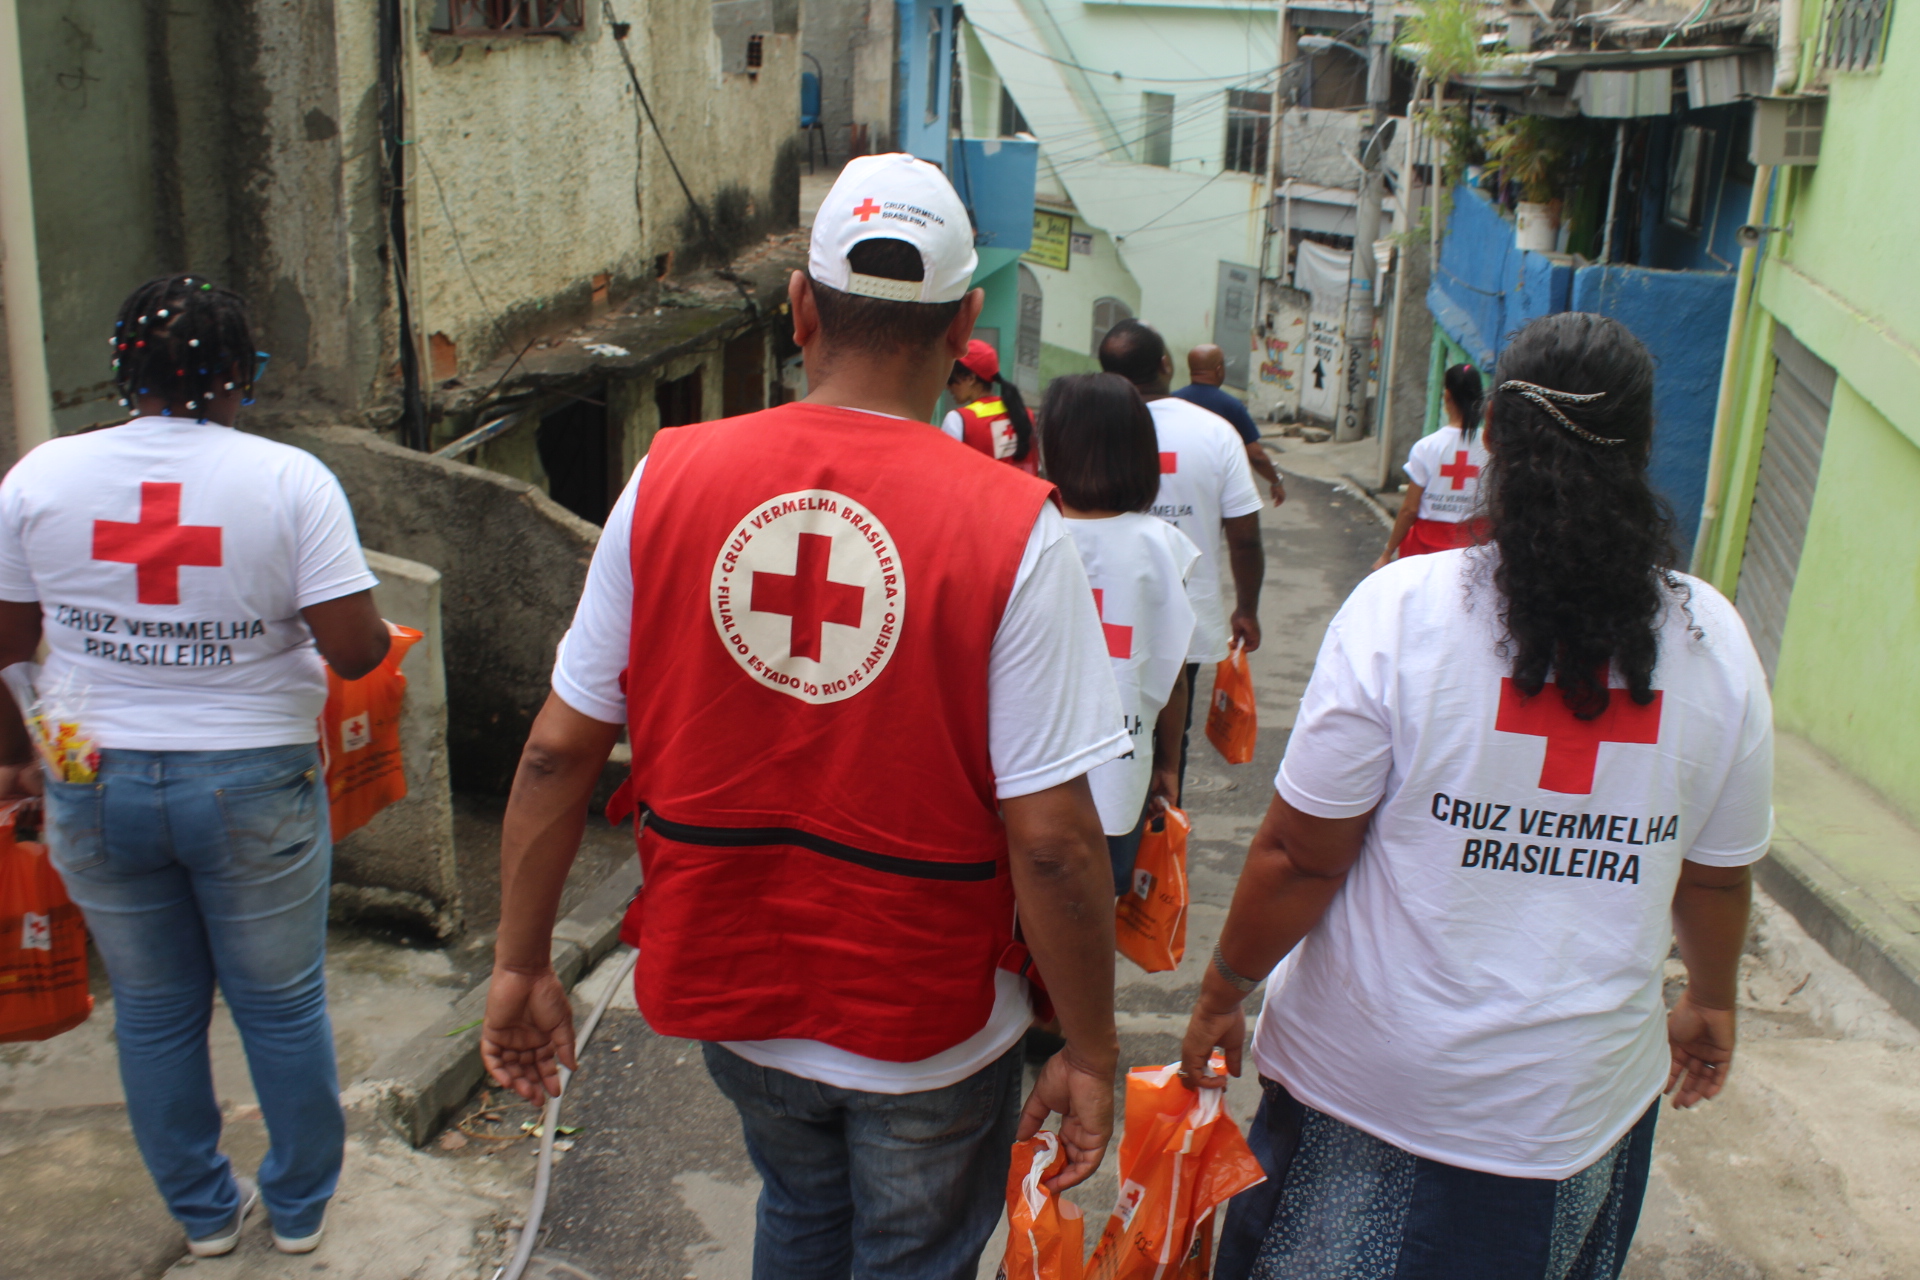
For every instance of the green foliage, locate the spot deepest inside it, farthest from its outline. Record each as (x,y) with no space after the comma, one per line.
(1448,35)
(1532,153)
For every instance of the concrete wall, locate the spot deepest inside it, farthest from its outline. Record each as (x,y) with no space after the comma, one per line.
(198,137)
(535,171)
(1485,287)
(400,867)
(1842,681)
(512,563)
(1843,282)
(852,40)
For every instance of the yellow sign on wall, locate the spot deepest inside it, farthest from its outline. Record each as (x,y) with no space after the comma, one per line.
(1052,233)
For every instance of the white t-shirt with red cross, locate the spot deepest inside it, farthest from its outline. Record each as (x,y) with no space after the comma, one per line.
(171,559)
(1137,565)
(1204,478)
(1447,466)
(1485,990)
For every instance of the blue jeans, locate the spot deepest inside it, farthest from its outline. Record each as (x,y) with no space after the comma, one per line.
(193,867)
(876,1185)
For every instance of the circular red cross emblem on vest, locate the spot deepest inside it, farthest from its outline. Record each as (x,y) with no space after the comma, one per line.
(808,595)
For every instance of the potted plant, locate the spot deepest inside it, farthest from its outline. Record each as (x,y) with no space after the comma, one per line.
(1531,152)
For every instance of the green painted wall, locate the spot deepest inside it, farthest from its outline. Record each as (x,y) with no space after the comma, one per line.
(1846,679)
(1058,361)
(1844,283)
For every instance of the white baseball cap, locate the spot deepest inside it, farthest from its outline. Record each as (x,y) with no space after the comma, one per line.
(894,197)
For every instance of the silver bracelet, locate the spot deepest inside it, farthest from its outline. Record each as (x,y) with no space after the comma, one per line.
(1225,970)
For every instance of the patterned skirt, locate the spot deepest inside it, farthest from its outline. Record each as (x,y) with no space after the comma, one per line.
(1340,1204)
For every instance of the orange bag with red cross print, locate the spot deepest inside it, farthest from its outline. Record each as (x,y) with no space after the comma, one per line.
(43,940)
(1181,1158)
(360,738)
(1233,724)
(1046,1236)
(1150,918)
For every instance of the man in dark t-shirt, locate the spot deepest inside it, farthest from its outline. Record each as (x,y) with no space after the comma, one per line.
(1207,369)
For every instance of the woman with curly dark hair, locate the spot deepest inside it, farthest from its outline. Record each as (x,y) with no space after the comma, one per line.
(1520,772)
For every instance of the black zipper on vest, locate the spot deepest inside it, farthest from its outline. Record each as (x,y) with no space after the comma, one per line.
(748,837)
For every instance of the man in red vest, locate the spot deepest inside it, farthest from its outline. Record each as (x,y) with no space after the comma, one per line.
(863,679)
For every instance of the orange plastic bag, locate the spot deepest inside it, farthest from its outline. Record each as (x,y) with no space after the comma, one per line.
(360,738)
(1232,720)
(1150,920)
(43,940)
(1046,1236)
(1181,1157)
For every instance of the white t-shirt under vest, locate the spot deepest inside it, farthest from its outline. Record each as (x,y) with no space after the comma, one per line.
(1137,565)
(1485,989)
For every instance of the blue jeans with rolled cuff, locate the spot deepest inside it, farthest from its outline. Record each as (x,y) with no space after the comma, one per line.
(201,867)
(882,1186)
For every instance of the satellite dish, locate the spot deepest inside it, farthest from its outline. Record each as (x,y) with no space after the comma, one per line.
(1377,145)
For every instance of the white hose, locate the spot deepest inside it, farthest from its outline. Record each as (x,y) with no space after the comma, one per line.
(549,1126)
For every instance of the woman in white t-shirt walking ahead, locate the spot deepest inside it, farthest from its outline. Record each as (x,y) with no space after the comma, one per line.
(183,575)
(1520,772)
(1103,456)
(1441,509)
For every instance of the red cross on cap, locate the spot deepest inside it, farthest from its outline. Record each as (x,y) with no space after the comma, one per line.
(866,209)
(158,545)
(1459,470)
(1573,744)
(1119,638)
(809,596)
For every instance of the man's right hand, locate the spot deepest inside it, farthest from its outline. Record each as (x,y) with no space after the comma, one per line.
(528,1033)
(1082,1094)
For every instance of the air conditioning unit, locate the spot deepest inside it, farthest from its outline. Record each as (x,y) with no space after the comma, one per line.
(1787,130)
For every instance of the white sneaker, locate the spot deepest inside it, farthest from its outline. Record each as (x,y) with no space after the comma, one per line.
(222,1240)
(300,1244)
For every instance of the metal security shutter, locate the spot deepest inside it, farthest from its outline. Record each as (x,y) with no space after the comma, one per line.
(1783,491)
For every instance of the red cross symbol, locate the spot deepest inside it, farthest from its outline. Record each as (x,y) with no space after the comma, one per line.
(866,209)
(1460,470)
(158,545)
(1119,638)
(1004,429)
(1573,744)
(1169,463)
(808,596)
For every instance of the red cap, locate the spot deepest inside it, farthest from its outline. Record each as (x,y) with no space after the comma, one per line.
(982,359)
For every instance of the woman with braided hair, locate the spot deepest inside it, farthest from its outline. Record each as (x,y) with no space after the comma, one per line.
(1521,772)
(188,579)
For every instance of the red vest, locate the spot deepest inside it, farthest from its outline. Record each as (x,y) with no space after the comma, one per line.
(985,426)
(816,592)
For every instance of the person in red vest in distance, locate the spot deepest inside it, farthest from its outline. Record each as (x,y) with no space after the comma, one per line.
(187,579)
(1521,772)
(1441,507)
(992,417)
(864,680)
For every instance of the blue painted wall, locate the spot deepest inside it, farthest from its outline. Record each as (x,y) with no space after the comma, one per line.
(1682,318)
(918,135)
(995,179)
(1712,247)
(1485,287)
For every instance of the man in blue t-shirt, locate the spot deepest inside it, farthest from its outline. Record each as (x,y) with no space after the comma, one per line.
(1207,369)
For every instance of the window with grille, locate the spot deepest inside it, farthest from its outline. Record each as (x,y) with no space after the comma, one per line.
(1156,129)
(1249,120)
(509,17)
(1855,34)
